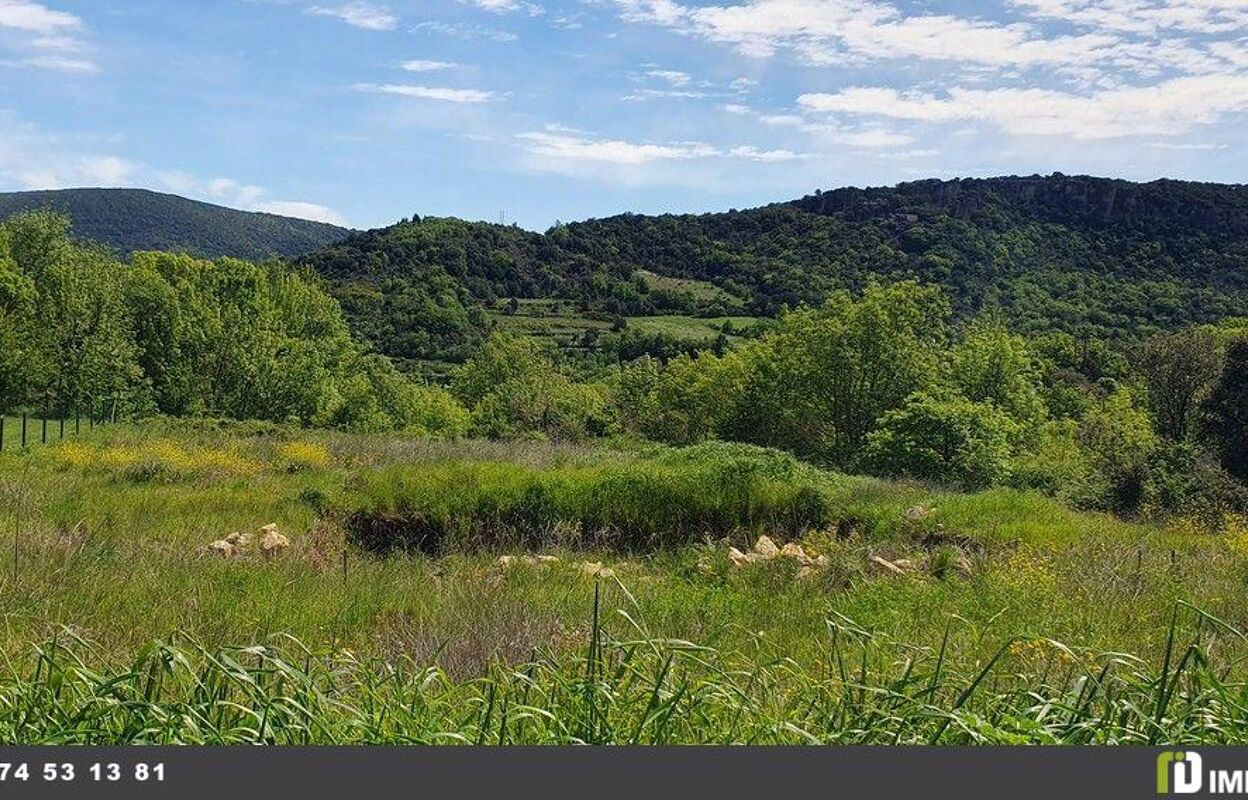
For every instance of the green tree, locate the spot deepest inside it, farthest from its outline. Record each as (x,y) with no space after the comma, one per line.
(1179,370)
(1225,426)
(828,374)
(992,365)
(946,439)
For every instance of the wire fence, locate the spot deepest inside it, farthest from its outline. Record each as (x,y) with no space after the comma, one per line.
(21,430)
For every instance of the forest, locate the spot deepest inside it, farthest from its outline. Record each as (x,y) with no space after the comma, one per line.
(1091,257)
(887,380)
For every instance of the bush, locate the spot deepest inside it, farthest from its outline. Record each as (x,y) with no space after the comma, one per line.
(944,439)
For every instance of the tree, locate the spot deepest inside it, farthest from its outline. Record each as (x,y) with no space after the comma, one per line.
(1225,426)
(992,365)
(830,373)
(1179,369)
(511,388)
(946,439)
(1117,438)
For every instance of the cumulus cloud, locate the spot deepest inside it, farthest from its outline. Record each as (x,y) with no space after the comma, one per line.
(507,6)
(240,195)
(33,159)
(1106,41)
(423,65)
(360,15)
(43,38)
(35,18)
(674,77)
(766,156)
(612,151)
(301,210)
(441,93)
(1169,108)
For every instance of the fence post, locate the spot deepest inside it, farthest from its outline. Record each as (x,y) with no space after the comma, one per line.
(62,426)
(43,436)
(23,430)
(1,433)
(77,421)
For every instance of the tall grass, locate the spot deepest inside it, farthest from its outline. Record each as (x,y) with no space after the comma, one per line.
(672,500)
(633,688)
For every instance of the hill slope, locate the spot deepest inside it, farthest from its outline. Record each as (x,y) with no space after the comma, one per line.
(136,219)
(1105,257)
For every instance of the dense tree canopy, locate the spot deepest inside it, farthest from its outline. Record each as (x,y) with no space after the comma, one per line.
(83,333)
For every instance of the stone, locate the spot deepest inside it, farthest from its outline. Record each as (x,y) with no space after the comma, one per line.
(766,548)
(737,558)
(794,551)
(887,566)
(916,513)
(272,543)
(222,548)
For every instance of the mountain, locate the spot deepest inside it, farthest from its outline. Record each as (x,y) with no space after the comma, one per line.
(1085,255)
(136,219)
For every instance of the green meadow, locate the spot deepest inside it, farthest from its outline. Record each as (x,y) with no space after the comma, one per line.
(412,606)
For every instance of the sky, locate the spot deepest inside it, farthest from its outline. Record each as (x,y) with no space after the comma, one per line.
(537,111)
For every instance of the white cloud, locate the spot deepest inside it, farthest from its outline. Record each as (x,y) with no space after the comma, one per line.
(1110,38)
(35,18)
(32,159)
(244,196)
(42,37)
(462,30)
(360,15)
(1169,108)
(611,151)
(648,94)
(674,77)
(422,65)
(767,156)
(1143,16)
(441,93)
(302,210)
(55,64)
(507,6)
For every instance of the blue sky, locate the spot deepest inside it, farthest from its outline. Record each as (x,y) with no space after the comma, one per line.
(543,110)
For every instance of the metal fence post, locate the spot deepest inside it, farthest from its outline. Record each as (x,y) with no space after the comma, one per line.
(23,430)
(1,433)
(62,426)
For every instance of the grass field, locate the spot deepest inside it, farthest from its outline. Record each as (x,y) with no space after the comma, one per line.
(559,322)
(1010,618)
(691,328)
(702,291)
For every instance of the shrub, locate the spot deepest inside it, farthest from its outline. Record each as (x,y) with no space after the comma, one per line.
(945,439)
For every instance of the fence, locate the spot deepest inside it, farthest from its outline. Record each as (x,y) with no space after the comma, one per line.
(19,431)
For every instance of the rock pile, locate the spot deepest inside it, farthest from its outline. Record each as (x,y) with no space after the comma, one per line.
(272,543)
(765,549)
